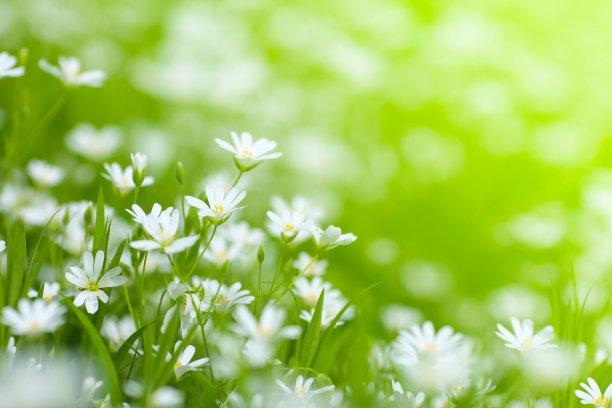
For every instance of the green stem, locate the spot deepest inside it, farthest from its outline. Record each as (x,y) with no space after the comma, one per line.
(299,275)
(195,264)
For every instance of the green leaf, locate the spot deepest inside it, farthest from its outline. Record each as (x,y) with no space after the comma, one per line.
(117,257)
(310,342)
(99,235)
(102,355)
(16,261)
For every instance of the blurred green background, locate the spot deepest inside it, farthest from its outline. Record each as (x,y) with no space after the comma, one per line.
(465,143)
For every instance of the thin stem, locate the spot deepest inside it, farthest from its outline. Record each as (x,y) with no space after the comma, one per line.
(237,179)
(136,191)
(299,275)
(279,266)
(195,264)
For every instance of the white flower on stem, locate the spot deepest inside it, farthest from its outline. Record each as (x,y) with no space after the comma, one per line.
(220,205)
(593,395)
(8,68)
(33,317)
(89,388)
(268,328)
(139,165)
(299,204)
(523,338)
(222,297)
(285,225)
(311,267)
(45,174)
(184,364)
(117,331)
(90,281)
(188,305)
(162,228)
(50,290)
(94,144)
(330,237)
(425,341)
(2,245)
(301,393)
(310,290)
(69,72)
(222,250)
(331,307)
(410,399)
(123,180)
(165,397)
(248,154)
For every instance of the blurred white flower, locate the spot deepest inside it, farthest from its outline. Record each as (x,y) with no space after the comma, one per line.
(222,250)
(184,364)
(298,204)
(7,66)
(286,225)
(33,317)
(90,283)
(301,393)
(44,174)
(220,205)
(523,338)
(311,267)
(50,290)
(93,144)
(310,290)
(593,395)
(123,180)
(162,228)
(69,72)
(224,297)
(165,397)
(247,154)
(117,331)
(268,328)
(90,386)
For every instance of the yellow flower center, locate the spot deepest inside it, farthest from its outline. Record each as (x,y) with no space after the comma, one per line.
(289,227)
(301,392)
(217,209)
(178,364)
(125,182)
(311,297)
(264,331)
(34,325)
(431,346)
(247,153)
(526,344)
(222,299)
(602,401)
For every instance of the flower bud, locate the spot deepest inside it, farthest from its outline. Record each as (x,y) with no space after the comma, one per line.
(180,173)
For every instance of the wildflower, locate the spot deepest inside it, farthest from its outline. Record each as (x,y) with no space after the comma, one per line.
(286,225)
(299,204)
(220,205)
(593,395)
(409,398)
(224,297)
(89,388)
(7,66)
(310,290)
(269,326)
(44,174)
(523,338)
(69,72)
(330,237)
(90,283)
(247,154)
(117,331)
(123,180)
(162,228)
(184,364)
(311,267)
(50,290)
(302,392)
(93,144)
(139,164)
(33,317)
(331,307)
(165,397)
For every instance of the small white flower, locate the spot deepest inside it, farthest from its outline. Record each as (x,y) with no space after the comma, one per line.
(165,397)
(286,225)
(225,298)
(33,317)
(247,154)
(50,290)
(332,305)
(311,268)
(268,328)
(302,392)
(7,66)
(117,331)
(310,290)
(69,72)
(44,174)
(162,228)
(330,237)
(222,250)
(184,364)
(2,245)
(89,281)
(523,338)
(423,340)
(139,164)
(593,395)
(220,205)
(123,180)
(94,144)
(89,388)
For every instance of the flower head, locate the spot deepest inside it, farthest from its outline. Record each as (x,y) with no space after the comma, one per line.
(248,154)
(123,180)
(286,225)
(7,66)
(302,391)
(224,298)
(139,164)
(593,395)
(33,317)
(94,144)
(69,72)
(90,283)
(220,205)
(330,237)
(117,331)
(184,364)
(44,174)
(269,326)
(523,338)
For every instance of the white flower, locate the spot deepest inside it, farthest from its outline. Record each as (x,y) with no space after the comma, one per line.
(331,237)
(44,174)
(184,364)
(225,298)
(410,399)
(7,66)
(302,392)
(139,164)
(117,331)
(89,281)
(222,250)
(2,245)
(123,180)
(220,205)
(245,241)
(69,72)
(93,144)
(162,228)
(247,154)
(310,267)
(50,290)
(523,338)
(332,305)
(89,388)
(268,328)
(165,397)
(593,395)
(423,340)
(33,318)
(311,290)
(285,225)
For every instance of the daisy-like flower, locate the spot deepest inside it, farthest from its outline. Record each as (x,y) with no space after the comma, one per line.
(286,225)
(162,228)
(420,340)
(90,283)
(123,180)
(45,174)
(165,397)
(94,144)
(331,307)
(523,338)
(593,395)
(302,391)
(117,331)
(248,154)
(330,237)
(409,398)
(2,245)
(69,72)
(223,297)
(220,205)
(184,364)
(311,267)
(7,66)
(268,328)
(33,317)
(310,290)
(222,250)
(50,290)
